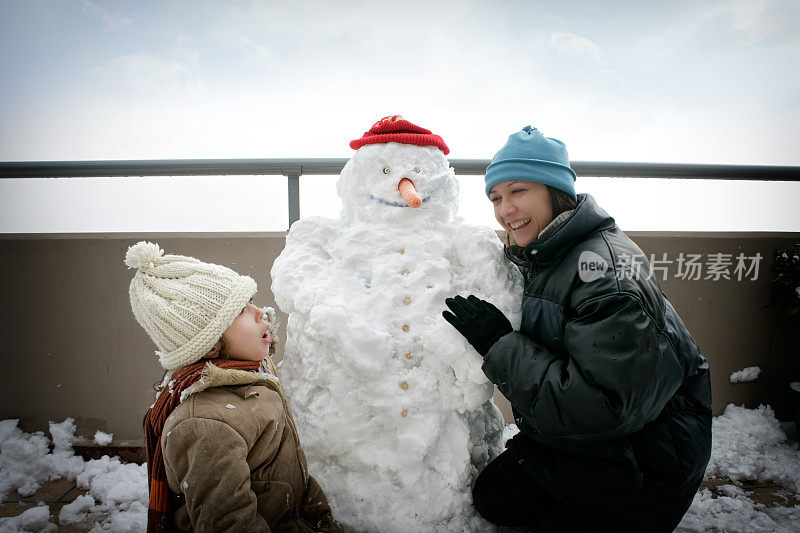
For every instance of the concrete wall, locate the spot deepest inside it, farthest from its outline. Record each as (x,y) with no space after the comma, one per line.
(71,346)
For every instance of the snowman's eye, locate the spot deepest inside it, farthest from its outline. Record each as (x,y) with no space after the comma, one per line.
(385,170)
(416,170)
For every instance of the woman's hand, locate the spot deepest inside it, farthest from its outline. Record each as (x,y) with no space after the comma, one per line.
(480,322)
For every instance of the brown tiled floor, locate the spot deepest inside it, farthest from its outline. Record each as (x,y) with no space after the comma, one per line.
(60,492)
(56,494)
(769,494)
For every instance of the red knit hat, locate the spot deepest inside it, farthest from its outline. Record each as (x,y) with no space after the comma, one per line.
(396,129)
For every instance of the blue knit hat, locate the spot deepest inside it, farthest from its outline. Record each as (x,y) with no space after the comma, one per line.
(528,155)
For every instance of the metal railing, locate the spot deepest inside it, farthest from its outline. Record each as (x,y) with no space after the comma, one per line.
(294,168)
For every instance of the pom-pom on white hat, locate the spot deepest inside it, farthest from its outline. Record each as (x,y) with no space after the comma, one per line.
(183,303)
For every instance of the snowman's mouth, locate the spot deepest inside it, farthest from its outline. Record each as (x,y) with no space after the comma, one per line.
(395,204)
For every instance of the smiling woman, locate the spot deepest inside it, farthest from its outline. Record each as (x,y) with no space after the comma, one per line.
(607,386)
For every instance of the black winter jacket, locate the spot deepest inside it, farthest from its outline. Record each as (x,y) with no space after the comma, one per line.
(609,390)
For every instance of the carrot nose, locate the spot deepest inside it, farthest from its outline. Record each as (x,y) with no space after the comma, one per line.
(409,192)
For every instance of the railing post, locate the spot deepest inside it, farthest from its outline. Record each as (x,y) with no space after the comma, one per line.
(293,172)
(294,199)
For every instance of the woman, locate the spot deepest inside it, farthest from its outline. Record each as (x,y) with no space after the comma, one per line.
(609,390)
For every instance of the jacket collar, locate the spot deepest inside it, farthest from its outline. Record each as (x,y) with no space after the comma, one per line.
(214,376)
(559,238)
(555,223)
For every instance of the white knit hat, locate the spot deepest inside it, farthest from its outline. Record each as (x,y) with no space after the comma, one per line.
(183,303)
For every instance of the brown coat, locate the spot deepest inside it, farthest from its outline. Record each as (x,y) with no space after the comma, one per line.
(233,456)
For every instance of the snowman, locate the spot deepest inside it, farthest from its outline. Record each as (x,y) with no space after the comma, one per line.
(394,412)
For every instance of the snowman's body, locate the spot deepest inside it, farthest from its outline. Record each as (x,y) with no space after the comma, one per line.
(393,409)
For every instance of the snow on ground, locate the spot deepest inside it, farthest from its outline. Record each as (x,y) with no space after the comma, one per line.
(746,374)
(735,512)
(34,519)
(117,492)
(103,439)
(748,444)
(509,431)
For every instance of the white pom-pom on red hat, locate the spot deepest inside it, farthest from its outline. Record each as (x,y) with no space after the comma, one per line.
(142,253)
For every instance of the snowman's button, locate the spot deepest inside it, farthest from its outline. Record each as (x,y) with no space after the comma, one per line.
(407,301)
(405,327)
(404,413)
(404,385)
(409,356)
(402,251)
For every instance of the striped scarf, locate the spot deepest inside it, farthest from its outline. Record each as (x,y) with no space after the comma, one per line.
(162,501)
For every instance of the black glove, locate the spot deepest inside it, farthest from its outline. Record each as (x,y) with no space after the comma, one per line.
(481,323)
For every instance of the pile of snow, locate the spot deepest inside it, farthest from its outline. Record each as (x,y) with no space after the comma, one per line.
(747,444)
(509,431)
(26,461)
(746,374)
(736,513)
(34,519)
(103,439)
(117,493)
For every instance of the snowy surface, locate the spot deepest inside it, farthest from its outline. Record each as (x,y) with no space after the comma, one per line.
(103,439)
(117,492)
(748,444)
(734,512)
(746,374)
(509,431)
(34,519)
(390,400)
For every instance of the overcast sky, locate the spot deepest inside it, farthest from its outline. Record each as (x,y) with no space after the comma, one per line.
(687,82)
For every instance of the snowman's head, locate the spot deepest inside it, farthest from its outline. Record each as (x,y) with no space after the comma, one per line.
(398,175)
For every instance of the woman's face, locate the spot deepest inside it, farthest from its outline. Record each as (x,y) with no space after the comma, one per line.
(523,208)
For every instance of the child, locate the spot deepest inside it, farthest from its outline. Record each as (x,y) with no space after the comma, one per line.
(222,450)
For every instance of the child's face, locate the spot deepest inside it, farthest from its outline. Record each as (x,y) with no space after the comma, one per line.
(248,338)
